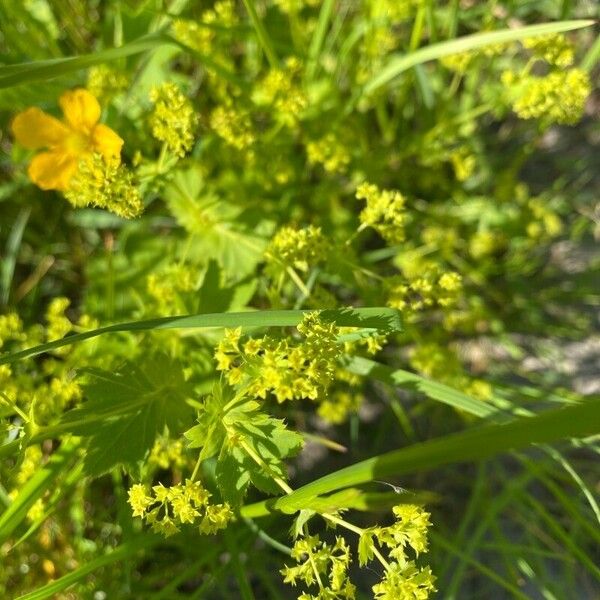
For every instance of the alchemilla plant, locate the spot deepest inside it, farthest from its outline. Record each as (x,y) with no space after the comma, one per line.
(289,298)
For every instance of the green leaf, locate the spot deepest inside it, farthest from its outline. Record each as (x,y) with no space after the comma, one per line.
(380,318)
(365,546)
(251,445)
(126,411)
(300,521)
(398,64)
(222,231)
(580,420)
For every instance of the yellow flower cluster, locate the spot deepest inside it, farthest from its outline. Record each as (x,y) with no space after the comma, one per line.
(554,48)
(11,328)
(327,566)
(64,391)
(167,453)
(287,369)
(384,212)
(173,120)
(107,184)
(405,581)
(402,578)
(329,152)
(559,97)
(321,564)
(545,223)
(463,162)
(105,83)
(297,248)
(166,508)
(165,286)
(279,89)
(58,324)
(485,242)
(234,126)
(430,288)
(199,35)
(458,63)
(338,405)
(294,6)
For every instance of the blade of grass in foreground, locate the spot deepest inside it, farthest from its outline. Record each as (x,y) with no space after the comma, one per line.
(578,420)
(40,70)
(398,64)
(379,318)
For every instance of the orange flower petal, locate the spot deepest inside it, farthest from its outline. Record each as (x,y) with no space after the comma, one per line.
(81,109)
(34,129)
(52,170)
(106,141)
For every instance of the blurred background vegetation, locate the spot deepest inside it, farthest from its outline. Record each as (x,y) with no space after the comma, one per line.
(499,182)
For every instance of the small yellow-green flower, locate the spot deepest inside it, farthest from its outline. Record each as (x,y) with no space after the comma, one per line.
(67,142)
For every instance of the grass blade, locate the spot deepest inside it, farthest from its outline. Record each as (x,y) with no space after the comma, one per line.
(42,70)
(432,389)
(261,33)
(12,248)
(316,43)
(381,318)
(399,64)
(580,420)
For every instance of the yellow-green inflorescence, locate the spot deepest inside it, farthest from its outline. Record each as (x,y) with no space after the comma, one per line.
(324,568)
(280,90)
(167,508)
(173,119)
(558,97)
(105,183)
(234,126)
(299,249)
(104,82)
(329,152)
(430,288)
(285,368)
(553,48)
(385,212)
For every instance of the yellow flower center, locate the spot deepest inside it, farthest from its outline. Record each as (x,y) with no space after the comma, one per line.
(77,142)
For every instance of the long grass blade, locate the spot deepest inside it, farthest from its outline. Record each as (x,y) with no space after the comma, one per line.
(580,420)
(42,70)
(399,64)
(380,318)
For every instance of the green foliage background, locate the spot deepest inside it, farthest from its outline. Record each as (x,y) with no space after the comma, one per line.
(449,395)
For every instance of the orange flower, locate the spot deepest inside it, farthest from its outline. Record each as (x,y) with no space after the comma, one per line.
(67,142)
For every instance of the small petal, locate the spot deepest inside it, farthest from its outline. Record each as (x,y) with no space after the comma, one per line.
(34,129)
(106,141)
(81,109)
(52,170)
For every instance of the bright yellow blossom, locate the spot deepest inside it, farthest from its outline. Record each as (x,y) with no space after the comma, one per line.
(67,142)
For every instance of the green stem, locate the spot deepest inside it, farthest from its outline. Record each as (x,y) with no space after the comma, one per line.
(267,538)
(358,531)
(258,460)
(196,468)
(262,34)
